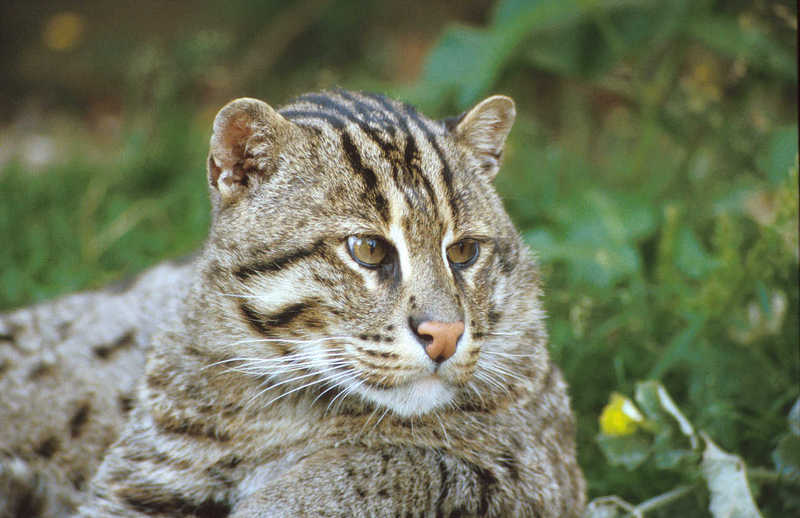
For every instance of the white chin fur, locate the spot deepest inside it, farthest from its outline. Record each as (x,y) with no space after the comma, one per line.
(412,399)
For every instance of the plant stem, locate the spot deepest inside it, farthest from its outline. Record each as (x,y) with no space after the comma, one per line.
(663,499)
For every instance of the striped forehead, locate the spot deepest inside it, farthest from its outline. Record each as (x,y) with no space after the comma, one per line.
(392,148)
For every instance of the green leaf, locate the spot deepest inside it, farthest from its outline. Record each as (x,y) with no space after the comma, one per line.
(794,418)
(691,257)
(787,456)
(599,244)
(656,403)
(629,451)
(679,348)
(536,14)
(671,458)
(727,482)
(465,62)
(728,36)
(780,154)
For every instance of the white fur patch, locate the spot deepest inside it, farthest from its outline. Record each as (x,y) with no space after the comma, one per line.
(415,398)
(399,242)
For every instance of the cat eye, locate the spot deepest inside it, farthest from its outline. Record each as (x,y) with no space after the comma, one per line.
(368,251)
(463,253)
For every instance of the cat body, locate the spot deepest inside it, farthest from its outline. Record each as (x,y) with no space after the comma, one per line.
(361,334)
(69,369)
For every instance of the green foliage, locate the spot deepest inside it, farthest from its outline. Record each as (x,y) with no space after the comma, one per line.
(654,172)
(83,224)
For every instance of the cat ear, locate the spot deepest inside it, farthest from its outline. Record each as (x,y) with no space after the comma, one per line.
(243,144)
(484,129)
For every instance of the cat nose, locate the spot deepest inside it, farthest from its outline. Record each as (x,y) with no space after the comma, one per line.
(439,338)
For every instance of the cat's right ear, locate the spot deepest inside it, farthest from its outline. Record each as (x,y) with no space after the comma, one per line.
(243,147)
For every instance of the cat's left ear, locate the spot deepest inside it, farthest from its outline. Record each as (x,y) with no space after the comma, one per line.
(484,128)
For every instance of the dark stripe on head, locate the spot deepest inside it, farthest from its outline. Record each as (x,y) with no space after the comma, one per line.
(412,161)
(263,324)
(354,158)
(367,174)
(294,115)
(350,150)
(368,112)
(412,150)
(371,115)
(278,263)
(447,173)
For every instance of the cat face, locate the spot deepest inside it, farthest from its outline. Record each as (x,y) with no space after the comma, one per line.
(360,250)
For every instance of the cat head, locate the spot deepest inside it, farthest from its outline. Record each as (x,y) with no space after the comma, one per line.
(359,250)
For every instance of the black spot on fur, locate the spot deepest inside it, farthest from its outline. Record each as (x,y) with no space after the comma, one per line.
(494,318)
(48,447)
(125,402)
(40,370)
(509,462)
(5,365)
(105,351)
(444,475)
(174,505)
(63,330)
(78,420)
(78,479)
(193,350)
(155,381)
(195,429)
(229,462)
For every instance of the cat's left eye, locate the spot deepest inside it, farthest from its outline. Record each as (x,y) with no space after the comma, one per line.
(463,253)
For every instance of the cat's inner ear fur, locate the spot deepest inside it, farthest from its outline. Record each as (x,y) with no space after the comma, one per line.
(243,148)
(484,129)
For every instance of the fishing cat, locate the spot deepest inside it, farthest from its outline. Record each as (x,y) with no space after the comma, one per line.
(361,335)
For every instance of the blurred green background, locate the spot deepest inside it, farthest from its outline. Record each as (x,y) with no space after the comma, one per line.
(653,168)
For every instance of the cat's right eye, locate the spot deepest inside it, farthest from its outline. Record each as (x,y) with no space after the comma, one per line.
(370,252)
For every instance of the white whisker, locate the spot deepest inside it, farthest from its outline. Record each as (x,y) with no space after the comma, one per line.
(290,340)
(506,355)
(291,380)
(379,420)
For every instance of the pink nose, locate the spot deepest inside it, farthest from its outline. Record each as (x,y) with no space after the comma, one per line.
(445,337)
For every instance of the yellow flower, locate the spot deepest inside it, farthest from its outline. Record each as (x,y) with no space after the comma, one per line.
(63,31)
(620,416)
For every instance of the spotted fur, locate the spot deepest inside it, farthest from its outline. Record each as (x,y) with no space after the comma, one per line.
(291,382)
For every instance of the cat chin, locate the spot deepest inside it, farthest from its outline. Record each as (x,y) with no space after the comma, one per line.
(415,398)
